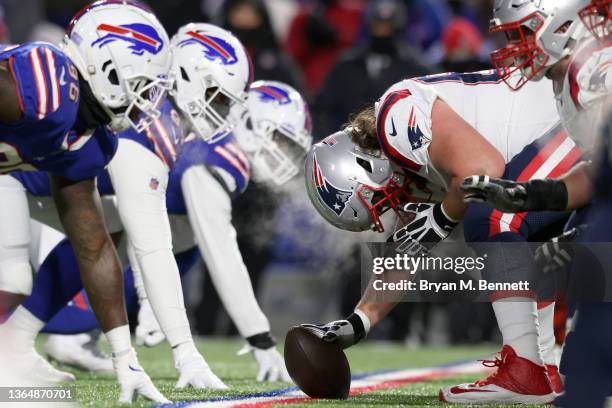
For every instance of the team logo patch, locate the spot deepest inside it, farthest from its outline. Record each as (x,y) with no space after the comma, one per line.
(334,198)
(154,183)
(141,37)
(215,48)
(271,93)
(330,141)
(415,135)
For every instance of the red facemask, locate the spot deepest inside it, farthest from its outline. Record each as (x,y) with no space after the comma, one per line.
(597,17)
(522,59)
(391,196)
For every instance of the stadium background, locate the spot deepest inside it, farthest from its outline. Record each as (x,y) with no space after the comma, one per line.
(342,55)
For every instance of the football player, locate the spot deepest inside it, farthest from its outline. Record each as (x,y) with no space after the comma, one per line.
(138,176)
(436,128)
(111,69)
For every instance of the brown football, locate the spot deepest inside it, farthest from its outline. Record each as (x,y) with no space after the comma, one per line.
(319,368)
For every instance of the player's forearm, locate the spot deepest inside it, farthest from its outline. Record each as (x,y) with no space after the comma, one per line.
(79,211)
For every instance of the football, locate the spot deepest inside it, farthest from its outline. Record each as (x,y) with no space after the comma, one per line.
(319,368)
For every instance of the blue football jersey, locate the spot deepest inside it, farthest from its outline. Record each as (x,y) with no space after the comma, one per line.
(48,137)
(164,135)
(222,156)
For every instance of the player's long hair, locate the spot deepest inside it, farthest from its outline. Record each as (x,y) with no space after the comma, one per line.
(362,126)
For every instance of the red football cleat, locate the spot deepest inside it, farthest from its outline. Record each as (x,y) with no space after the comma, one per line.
(516,381)
(555,379)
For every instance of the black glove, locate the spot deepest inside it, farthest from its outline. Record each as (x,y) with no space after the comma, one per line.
(511,197)
(558,252)
(429,226)
(343,332)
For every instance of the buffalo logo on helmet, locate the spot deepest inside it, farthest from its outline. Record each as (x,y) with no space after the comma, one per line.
(334,198)
(141,37)
(415,135)
(269,93)
(215,48)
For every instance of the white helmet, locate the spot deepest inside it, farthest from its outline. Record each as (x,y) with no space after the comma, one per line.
(275,131)
(213,72)
(123,52)
(540,33)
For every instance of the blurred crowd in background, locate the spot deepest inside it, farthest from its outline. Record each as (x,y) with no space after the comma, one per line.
(342,55)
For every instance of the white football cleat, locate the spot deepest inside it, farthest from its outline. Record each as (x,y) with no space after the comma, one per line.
(516,381)
(148,331)
(271,365)
(194,371)
(133,381)
(80,351)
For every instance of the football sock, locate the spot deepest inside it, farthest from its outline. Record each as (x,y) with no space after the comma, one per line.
(517,319)
(23,327)
(546,315)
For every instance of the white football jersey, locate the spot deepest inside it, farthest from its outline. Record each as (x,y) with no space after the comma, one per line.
(508,120)
(587,83)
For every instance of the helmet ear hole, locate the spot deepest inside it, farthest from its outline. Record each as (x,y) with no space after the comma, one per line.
(367,166)
(112,77)
(184,75)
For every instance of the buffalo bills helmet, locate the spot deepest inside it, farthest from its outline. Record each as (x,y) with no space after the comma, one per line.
(213,74)
(275,131)
(350,187)
(123,52)
(539,34)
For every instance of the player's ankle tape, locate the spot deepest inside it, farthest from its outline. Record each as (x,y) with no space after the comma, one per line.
(358,326)
(262,341)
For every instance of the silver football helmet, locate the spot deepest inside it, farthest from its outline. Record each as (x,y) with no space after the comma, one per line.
(351,188)
(539,32)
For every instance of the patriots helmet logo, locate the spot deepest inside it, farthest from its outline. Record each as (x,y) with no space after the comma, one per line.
(215,48)
(271,93)
(415,135)
(334,198)
(141,37)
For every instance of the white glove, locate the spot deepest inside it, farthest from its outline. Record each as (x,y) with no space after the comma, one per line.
(270,362)
(194,371)
(148,332)
(429,226)
(133,381)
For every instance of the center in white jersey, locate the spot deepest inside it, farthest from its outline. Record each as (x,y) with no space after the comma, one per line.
(508,120)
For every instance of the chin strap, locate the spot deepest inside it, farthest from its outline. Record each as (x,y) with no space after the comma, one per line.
(90,114)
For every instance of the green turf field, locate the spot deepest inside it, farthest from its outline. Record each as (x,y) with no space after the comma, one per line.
(238,372)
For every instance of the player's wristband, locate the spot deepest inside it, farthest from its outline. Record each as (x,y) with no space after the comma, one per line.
(360,323)
(262,341)
(545,195)
(442,219)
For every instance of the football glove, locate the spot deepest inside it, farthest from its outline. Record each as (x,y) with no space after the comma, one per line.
(511,197)
(504,195)
(345,333)
(133,381)
(557,253)
(429,226)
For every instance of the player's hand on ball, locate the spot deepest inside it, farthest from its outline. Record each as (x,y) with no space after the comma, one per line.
(557,253)
(504,195)
(345,333)
(148,332)
(271,366)
(429,226)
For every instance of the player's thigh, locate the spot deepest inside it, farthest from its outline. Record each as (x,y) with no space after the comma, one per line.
(15,271)
(140,180)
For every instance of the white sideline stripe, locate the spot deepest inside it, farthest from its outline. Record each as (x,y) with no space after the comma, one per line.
(471,367)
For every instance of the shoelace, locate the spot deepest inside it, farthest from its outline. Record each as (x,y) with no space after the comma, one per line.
(498,362)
